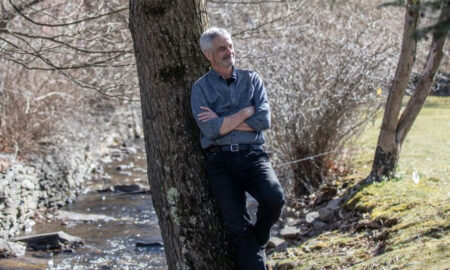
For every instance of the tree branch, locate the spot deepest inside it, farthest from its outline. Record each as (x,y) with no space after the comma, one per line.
(53,39)
(423,87)
(8,16)
(68,23)
(267,23)
(402,74)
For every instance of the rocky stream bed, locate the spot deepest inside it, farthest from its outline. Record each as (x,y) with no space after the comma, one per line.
(112,225)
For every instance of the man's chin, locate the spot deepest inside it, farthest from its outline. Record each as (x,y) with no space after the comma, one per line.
(228,63)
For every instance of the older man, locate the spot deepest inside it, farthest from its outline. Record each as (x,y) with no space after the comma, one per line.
(231,109)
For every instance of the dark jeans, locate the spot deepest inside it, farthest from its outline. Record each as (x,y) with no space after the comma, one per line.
(230,175)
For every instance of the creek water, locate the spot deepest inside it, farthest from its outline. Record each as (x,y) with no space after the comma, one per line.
(108,244)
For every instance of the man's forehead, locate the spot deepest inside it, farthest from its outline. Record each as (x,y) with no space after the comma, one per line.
(220,41)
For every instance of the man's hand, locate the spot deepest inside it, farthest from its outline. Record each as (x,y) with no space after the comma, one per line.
(207,115)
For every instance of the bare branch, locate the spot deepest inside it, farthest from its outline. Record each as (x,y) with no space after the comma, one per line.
(268,22)
(96,88)
(8,16)
(69,23)
(53,39)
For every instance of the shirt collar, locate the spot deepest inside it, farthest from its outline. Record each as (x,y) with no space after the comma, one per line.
(234,74)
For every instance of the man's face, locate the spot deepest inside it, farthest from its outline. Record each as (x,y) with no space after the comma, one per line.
(222,53)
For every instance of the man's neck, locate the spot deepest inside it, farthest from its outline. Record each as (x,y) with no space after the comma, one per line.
(224,72)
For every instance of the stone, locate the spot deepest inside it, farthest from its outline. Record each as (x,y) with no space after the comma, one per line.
(292,221)
(334,203)
(30,170)
(319,225)
(11,249)
(17,249)
(149,244)
(290,232)
(73,216)
(49,241)
(117,154)
(326,214)
(126,173)
(27,184)
(125,166)
(127,188)
(131,150)
(275,242)
(312,216)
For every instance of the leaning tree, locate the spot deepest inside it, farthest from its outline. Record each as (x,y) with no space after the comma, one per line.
(169,60)
(395,127)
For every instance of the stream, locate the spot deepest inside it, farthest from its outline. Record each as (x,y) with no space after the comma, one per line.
(108,244)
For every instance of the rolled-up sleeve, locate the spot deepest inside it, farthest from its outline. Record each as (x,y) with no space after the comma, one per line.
(211,128)
(261,119)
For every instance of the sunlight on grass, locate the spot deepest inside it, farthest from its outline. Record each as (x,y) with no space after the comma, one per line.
(426,148)
(418,237)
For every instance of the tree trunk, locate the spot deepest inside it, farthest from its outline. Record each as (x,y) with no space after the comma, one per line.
(394,130)
(423,87)
(169,60)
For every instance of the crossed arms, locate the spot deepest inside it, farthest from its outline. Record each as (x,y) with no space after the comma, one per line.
(231,122)
(250,119)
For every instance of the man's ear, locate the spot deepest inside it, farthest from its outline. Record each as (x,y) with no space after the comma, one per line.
(208,55)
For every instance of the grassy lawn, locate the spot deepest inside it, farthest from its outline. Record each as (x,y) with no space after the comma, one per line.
(427,146)
(413,217)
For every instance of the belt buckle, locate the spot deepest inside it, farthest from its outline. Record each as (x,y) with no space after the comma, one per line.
(234,147)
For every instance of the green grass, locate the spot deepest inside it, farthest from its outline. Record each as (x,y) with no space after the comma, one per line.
(427,145)
(419,238)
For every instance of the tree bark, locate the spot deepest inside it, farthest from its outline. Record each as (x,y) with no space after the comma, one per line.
(423,87)
(394,129)
(169,60)
(388,148)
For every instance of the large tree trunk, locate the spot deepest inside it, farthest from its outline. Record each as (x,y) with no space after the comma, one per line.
(394,130)
(169,60)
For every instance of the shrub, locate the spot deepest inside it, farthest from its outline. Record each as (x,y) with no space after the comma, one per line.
(322,68)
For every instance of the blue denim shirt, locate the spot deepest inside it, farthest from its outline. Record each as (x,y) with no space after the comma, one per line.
(213,91)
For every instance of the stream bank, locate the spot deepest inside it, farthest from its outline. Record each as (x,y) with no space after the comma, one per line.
(126,236)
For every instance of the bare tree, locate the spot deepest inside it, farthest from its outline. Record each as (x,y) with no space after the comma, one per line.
(394,128)
(63,59)
(169,60)
(81,41)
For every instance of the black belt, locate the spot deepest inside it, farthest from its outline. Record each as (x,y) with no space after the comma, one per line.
(234,147)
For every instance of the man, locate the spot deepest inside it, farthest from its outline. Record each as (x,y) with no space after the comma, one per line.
(231,109)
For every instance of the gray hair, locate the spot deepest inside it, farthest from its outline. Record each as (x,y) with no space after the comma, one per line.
(207,37)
